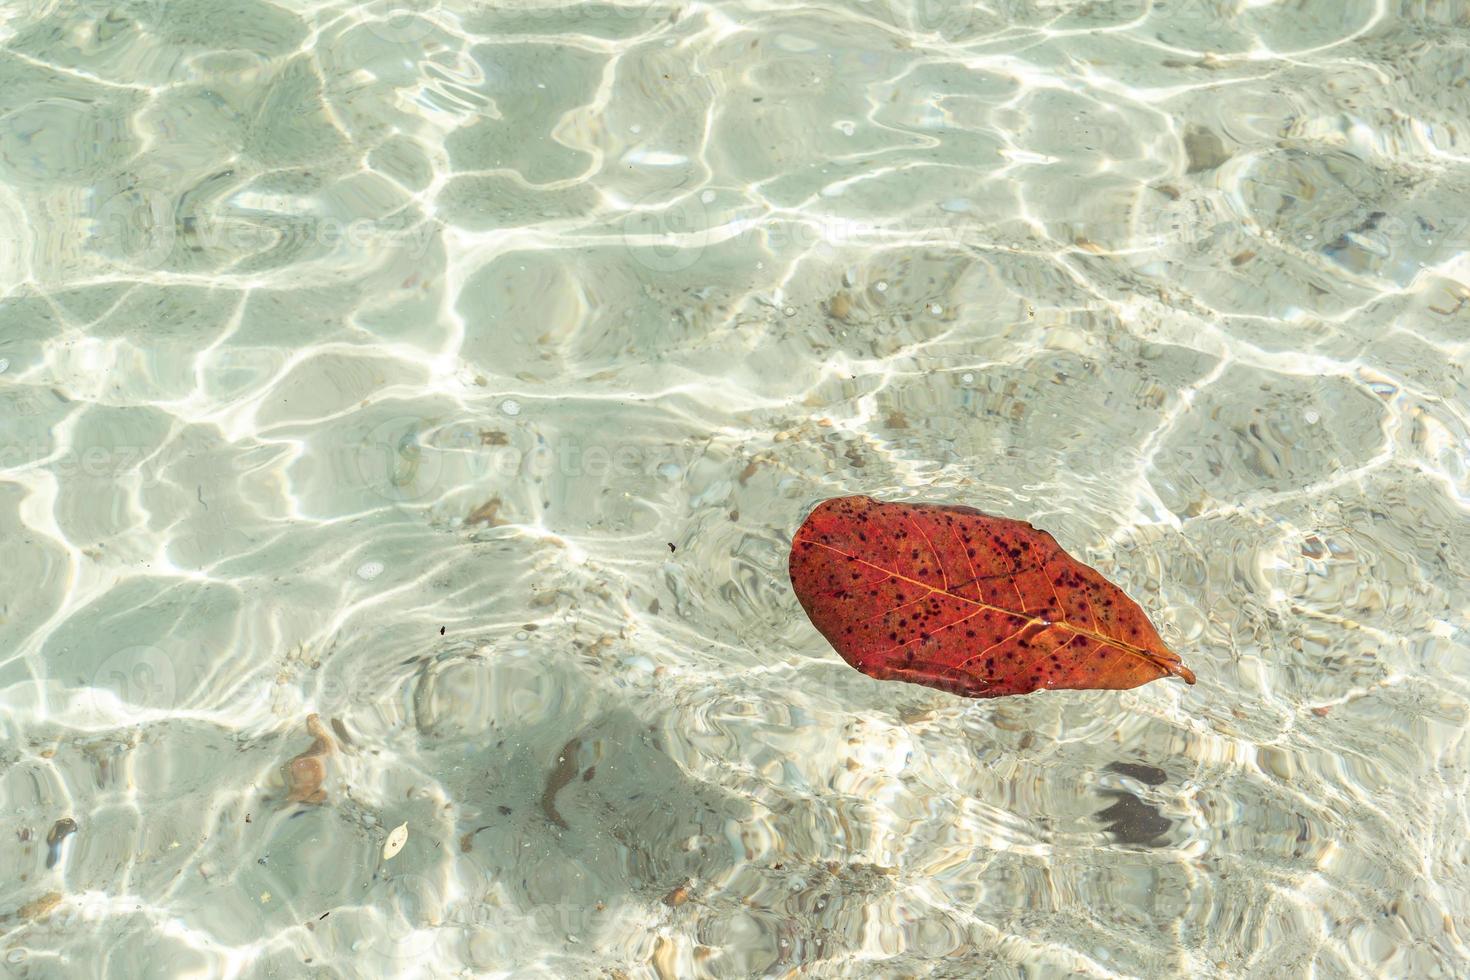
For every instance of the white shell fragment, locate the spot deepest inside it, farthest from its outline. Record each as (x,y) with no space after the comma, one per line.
(397,837)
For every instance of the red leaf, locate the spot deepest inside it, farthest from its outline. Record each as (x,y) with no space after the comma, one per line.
(976,605)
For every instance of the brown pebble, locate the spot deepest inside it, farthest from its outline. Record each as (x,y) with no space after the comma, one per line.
(305,773)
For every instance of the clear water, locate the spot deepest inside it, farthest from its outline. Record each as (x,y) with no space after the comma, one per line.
(456,372)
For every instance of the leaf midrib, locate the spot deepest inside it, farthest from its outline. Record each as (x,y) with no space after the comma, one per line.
(1123,645)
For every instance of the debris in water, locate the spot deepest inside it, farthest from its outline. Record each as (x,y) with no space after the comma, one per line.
(487,514)
(566,769)
(397,837)
(39,908)
(305,773)
(60,830)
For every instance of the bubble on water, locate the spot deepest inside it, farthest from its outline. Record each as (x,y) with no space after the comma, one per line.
(510,407)
(635,129)
(881,285)
(846,128)
(967,378)
(369,570)
(708,197)
(789,310)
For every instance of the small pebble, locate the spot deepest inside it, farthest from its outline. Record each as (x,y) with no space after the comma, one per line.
(967,378)
(510,407)
(1312,417)
(4,364)
(369,570)
(708,197)
(881,285)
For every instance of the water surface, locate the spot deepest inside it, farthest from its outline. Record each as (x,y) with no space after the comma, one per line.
(456,372)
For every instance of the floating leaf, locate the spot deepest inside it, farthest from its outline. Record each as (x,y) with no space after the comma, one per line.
(976,605)
(397,837)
